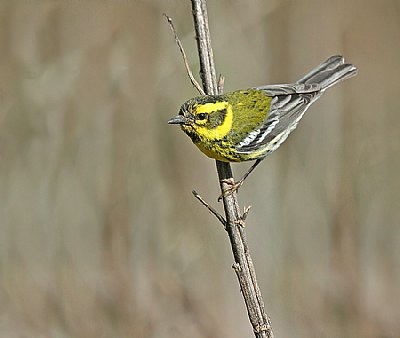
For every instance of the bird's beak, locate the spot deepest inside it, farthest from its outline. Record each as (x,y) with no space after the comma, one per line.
(179,119)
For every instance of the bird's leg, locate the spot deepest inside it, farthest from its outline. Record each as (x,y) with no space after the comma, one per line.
(236,185)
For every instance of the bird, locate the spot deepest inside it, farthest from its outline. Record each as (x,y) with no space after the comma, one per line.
(250,124)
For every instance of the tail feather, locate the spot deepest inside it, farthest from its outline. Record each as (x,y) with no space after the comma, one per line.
(330,72)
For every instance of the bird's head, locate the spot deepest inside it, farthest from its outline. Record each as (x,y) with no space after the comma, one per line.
(205,118)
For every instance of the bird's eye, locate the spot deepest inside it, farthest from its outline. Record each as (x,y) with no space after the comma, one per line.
(202,116)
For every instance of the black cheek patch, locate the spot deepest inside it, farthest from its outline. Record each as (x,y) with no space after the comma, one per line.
(220,117)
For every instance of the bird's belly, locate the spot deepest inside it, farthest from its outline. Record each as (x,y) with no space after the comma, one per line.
(213,153)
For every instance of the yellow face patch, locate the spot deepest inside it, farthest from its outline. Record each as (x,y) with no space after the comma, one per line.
(220,131)
(210,107)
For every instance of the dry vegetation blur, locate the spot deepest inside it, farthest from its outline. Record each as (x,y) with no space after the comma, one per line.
(99,233)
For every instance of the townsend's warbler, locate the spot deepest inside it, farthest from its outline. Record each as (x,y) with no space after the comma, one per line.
(250,124)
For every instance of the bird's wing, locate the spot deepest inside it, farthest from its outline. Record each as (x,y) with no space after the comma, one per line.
(287,89)
(288,105)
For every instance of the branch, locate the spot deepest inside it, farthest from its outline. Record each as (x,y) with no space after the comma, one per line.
(188,70)
(210,208)
(243,265)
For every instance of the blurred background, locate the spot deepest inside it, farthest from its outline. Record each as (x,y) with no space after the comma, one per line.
(99,233)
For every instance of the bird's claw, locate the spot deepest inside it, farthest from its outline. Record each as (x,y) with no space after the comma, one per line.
(234,186)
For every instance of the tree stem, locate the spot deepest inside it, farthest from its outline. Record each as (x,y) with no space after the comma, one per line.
(243,265)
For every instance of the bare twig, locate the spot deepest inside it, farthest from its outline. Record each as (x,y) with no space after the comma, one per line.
(210,208)
(188,70)
(243,265)
(207,67)
(234,222)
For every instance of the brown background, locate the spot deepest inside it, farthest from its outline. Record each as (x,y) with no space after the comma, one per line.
(99,233)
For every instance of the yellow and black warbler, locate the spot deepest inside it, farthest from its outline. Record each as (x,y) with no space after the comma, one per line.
(250,124)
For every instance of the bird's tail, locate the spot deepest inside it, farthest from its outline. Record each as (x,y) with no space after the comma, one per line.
(330,72)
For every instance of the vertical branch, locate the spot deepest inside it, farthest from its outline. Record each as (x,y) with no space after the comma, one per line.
(243,265)
(207,66)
